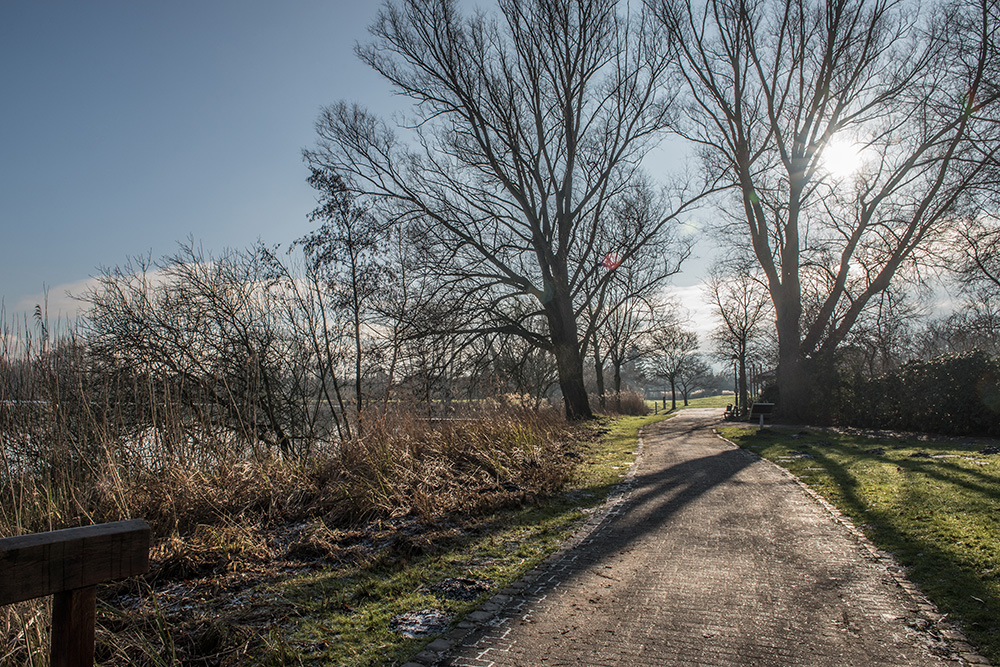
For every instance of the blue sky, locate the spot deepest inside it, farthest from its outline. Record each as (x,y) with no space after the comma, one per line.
(127,126)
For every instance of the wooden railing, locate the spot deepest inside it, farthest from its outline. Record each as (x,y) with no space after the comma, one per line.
(68,564)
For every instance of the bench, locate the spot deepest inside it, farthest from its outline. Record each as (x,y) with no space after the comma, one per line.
(761,410)
(68,564)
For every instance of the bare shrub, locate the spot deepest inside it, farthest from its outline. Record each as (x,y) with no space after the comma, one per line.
(629,402)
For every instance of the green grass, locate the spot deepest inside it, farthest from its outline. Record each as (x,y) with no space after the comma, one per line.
(934,506)
(719,401)
(343,615)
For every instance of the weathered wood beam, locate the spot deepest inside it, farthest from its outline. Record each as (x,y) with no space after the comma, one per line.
(43,564)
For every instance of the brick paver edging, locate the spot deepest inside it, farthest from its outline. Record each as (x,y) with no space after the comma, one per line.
(508,602)
(936,625)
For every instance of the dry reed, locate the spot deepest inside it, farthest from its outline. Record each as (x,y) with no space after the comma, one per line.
(82,442)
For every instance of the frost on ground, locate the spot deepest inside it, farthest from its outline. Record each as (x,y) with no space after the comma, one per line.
(421,623)
(461,588)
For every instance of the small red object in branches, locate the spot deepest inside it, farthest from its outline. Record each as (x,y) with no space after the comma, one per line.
(611,261)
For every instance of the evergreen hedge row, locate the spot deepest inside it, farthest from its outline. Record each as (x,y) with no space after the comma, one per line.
(952,394)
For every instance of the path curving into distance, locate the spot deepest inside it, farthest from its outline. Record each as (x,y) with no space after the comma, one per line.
(715,557)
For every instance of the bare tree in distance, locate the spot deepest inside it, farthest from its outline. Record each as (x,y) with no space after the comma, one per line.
(739,297)
(628,299)
(775,89)
(526,129)
(885,334)
(975,326)
(695,373)
(524,368)
(622,332)
(672,346)
(347,253)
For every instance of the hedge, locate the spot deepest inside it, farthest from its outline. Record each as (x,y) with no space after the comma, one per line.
(952,394)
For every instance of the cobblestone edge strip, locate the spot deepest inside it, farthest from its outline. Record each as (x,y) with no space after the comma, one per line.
(959,647)
(503,606)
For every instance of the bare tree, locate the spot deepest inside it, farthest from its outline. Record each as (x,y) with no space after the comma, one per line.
(625,302)
(526,129)
(622,334)
(884,335)
(775,87)
(207,331)
(694,374)
(347,252)
(672,348)
(740,300)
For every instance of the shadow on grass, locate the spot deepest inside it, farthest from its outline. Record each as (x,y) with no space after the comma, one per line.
(345,610)
(937,527)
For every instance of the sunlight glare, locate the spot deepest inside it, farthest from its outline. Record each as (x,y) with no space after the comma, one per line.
(842,158)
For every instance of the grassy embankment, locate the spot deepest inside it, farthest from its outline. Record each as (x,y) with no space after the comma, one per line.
(934,505)
(343,615)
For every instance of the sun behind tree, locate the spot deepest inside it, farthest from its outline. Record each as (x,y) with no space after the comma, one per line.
(843,158)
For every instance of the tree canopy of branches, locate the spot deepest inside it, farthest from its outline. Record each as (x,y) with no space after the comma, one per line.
(774,87)
(529,127)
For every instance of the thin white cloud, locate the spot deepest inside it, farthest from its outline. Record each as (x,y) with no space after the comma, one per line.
(62,302)
(58,301)
(691,298)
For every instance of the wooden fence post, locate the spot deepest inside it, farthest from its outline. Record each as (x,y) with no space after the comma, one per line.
(68,564)
(74,614)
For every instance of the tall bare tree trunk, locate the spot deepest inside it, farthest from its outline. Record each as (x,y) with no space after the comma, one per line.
(569,361)
(599,371)
(793,389)
(744,393)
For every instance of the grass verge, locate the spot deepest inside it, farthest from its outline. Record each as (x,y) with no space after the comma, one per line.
(934,505)
(347,613)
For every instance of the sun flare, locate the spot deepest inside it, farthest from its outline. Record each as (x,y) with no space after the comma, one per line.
(842,159)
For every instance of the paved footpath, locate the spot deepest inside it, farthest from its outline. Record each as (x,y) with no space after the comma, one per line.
(712,557)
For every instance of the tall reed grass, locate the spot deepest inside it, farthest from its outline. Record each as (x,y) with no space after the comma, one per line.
(629,402)
(83,441)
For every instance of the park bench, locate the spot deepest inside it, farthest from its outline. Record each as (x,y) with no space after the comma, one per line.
(68,564)
(759,411)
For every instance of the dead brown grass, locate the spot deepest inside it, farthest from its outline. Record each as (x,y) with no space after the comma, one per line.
(217,511)
(630,403)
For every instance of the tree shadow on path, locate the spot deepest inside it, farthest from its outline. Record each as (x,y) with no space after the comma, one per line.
(659,494)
